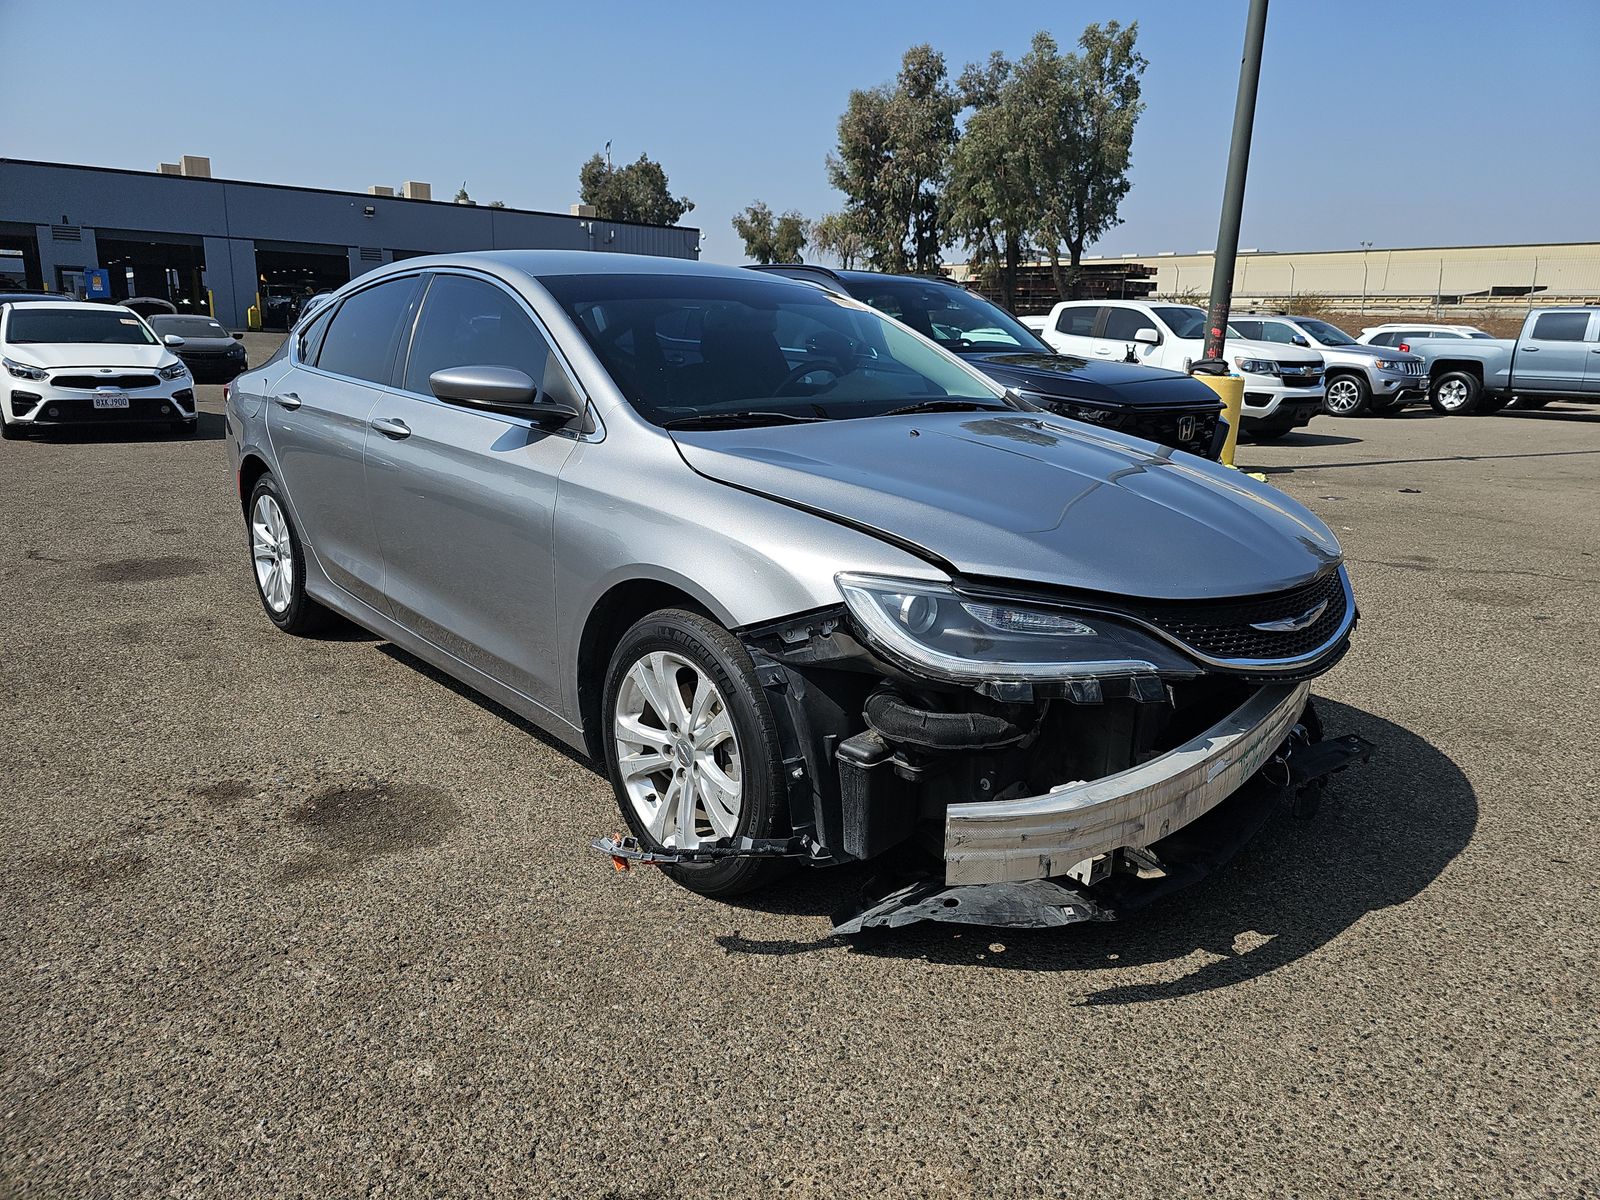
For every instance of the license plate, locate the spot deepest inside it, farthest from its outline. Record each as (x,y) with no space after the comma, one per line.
(111,400)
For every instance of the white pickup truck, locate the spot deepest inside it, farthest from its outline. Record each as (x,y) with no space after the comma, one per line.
(1283,384)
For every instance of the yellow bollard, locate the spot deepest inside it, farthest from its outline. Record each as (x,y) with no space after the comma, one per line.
(252,319)
(1231,389)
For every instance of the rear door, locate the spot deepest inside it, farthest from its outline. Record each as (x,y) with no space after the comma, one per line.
(1073,330)
(1553,356)
(317,423)
(463,499)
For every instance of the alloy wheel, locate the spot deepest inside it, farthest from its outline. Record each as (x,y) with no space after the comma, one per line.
(1344,395)
(677,752)
(273,552)
(1452,394)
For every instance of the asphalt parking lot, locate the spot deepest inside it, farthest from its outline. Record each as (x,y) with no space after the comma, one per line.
(303,918)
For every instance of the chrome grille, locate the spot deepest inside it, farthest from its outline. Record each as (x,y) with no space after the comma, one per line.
(1226,630)
(90,382)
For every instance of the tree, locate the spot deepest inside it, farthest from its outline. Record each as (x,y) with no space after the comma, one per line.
(769,239)
(839,235)
(461,194)
(894,149)
(636,191)
(1086,143)
(991,200)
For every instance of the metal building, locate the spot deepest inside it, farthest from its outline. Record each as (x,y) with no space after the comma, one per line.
(225,245)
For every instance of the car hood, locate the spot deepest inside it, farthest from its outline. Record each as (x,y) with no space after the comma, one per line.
(1122,384)
(1031,498)
(1276,351)
(208,345)
(89,354)
(1363,351)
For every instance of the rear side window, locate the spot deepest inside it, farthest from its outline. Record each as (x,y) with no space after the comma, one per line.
(309,339)
(1386,339)
(361,335)
(1246,329)
(1561,326)
(470,323)
(1078,320)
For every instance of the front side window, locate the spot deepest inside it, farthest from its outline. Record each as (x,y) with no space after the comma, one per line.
(361,335)
(34,324)
(1123,323)
(1561,327)
(470,323)
(1184,320)
(698,347)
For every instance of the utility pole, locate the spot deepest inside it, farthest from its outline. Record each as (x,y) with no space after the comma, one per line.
(1365,246)
(1244,117)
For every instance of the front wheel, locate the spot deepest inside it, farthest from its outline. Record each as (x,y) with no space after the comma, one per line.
(1347,396)
(279,561)
(1455,393)
(691,746)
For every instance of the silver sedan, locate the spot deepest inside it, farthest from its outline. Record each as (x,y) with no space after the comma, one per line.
(809,586)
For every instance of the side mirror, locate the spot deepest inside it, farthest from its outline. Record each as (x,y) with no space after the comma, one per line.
(502,390)
(172,339)
(1299,340)
(1147,336)
(238,337)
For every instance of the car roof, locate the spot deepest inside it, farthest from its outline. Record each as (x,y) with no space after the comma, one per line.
(537,263)
(83,305)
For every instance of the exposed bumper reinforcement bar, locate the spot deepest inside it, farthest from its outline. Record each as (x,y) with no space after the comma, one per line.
(1042,836)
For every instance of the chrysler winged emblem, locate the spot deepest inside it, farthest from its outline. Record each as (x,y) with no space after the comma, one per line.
(1291,624)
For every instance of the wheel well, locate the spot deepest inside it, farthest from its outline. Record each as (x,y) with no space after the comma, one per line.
(610,618)
(1444,368)
(250,472)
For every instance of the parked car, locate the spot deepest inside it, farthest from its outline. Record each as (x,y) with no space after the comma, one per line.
(1556,355)
(808,585)
(68,362)
(1283,386)
(1168,407)
(212,353)
(1397,335)
(149,306)
(30,297)
(1358,379)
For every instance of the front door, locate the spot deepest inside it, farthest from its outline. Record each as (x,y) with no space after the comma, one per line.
(317,420)
(463,499)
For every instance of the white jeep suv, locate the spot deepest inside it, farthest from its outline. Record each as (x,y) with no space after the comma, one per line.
(1283,385)
(73,363)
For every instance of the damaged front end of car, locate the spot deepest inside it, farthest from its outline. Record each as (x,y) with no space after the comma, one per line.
(1036,758)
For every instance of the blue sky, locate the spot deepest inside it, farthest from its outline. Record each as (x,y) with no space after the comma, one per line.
(1434,122)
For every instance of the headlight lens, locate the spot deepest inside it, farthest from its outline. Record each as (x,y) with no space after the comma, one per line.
(24,371)
(176,371)
(1387,364)
(934,630)
(1256,366)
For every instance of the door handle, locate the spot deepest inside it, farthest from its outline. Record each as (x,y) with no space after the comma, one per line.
(392,427)
(1530,349)
(288,400)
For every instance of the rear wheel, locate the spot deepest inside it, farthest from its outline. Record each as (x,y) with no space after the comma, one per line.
(1455,393)
(279,562)
(691,746)
(1347,396)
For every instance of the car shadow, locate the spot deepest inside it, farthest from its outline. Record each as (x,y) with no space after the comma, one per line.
(1320,439)
(1551,413)
(1385,832)
(211,429)
(493,707)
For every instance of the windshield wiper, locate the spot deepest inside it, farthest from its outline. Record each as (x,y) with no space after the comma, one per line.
(927,406)
(737,419)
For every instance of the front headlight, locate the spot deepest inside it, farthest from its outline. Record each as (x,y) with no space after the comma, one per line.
(176,371)
(932,629)
(24,371)
(1256,366)
(1387,364)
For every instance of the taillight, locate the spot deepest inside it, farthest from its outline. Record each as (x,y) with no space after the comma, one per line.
(226,388)
(1402,347)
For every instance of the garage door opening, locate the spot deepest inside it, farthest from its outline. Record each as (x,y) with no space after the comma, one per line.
(287,277)
(170,271)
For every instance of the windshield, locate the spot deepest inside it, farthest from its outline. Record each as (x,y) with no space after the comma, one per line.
(1328,335)
(954,317)
(189,327)
(685,348)
(31,324)
(1184,321)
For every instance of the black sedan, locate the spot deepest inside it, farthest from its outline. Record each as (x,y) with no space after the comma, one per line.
(212,354)
(1162,406)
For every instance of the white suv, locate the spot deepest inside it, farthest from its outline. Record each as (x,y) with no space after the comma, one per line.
(1283,385)
(71,363)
